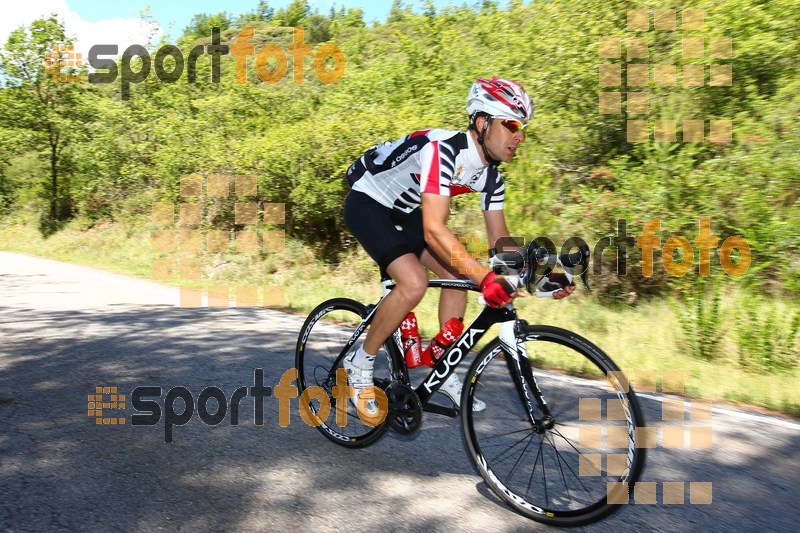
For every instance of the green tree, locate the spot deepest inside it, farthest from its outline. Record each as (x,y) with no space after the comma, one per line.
(575,174)
(47,112)
(203,24)
(319,28)
(354,18)
(294,14)
(398,11)
(264,11)
(6,188)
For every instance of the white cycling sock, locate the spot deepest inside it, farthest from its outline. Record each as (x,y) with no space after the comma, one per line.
(362,359)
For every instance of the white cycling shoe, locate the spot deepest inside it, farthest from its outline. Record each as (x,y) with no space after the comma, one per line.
(452,388)
(360,379)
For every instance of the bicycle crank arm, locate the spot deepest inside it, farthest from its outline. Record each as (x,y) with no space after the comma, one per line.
(451,412)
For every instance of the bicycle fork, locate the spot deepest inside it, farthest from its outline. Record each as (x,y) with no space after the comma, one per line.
(519,366)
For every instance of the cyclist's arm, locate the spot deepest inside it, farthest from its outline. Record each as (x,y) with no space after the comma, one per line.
(441,241)
(495,227)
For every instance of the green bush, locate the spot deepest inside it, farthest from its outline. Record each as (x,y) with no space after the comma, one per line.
(767,340)
(701,318)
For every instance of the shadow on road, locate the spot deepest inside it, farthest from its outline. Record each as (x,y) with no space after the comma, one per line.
(60,470)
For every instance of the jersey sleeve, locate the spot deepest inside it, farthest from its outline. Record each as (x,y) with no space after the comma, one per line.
(494,193)
(437,166)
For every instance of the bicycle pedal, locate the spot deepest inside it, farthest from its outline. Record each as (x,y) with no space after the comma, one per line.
(382,384)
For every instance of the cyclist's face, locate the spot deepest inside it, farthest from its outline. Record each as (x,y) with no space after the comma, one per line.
(503,138)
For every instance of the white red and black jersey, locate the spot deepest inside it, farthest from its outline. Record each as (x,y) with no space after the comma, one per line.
(440,162)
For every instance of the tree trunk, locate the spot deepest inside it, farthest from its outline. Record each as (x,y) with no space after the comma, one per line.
(53,175)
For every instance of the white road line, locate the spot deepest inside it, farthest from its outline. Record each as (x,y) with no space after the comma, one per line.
(771,419)
(729,411)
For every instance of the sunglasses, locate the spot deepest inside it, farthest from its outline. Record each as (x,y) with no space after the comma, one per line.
(513,125)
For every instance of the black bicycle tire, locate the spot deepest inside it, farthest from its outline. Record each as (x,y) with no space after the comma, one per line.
(335,304)
(590,514)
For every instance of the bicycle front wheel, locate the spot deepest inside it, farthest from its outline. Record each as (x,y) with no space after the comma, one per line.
(323,337)
(580,465)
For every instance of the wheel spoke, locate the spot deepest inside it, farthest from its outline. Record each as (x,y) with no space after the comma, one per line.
(557,432)
(507,450)
(577,477)
(561,469)
(544,476)
(499,435)
(533,471)
(516,464)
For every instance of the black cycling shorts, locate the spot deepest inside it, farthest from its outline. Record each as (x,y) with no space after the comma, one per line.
(376,228)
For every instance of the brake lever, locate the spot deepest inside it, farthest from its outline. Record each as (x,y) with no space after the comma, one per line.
(538,255)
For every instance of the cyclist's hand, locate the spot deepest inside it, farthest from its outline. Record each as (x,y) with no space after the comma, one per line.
(563,293)
(555,285)
(496,290)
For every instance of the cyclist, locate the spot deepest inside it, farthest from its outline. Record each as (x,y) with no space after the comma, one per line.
(398,207)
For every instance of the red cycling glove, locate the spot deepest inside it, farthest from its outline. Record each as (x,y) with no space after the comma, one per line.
(496,290)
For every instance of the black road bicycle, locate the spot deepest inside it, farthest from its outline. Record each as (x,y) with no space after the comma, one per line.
(557,439)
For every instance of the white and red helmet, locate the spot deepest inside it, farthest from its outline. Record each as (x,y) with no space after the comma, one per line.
(499,98)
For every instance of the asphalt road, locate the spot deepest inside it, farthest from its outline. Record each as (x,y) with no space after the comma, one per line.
(66,329)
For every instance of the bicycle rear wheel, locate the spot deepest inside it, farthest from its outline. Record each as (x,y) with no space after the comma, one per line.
(323,337)
(580,468)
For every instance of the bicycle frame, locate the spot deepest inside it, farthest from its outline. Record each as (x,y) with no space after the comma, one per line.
(518,363)
(504,437)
